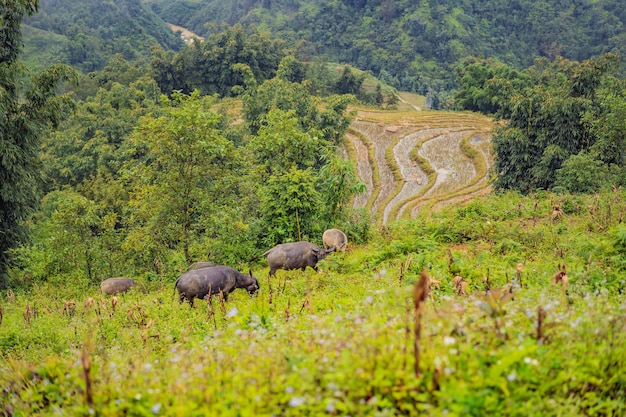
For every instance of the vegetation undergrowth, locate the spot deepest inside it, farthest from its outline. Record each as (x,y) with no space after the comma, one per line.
(340,341)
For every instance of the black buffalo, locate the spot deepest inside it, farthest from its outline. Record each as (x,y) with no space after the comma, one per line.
(211,280)
(117,285)
(295,255)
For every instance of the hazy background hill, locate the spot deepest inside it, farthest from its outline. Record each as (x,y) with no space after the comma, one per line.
(411,45)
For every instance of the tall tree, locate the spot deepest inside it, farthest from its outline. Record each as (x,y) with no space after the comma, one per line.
(27,110)
(182,160)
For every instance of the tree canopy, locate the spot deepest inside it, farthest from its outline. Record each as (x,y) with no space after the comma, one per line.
(27,110)
(552,113)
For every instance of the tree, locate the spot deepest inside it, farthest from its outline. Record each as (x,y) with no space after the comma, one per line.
(182,159)
(484,83)
(281,144)
(559,116)
(27,110)
(349,83)
(209,66)
(93,140)
(290,206)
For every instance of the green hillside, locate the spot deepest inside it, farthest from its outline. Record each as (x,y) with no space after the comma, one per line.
(88,32)
(414,46)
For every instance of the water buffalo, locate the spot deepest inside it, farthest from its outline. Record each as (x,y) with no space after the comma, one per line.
(211,280)
(295,255)
(335,238)
(201,264)
(116,285)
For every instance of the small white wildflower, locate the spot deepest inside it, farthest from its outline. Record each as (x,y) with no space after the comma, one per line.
(138,397)
(330,408)
(511,377)
(91,411)
(527,360)
(448,371)
(147,366)
(289,390)
(296,402)
(156,408)
(449,340)
(232,312)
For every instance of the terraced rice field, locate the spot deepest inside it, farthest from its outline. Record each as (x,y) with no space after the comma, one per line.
(412,160)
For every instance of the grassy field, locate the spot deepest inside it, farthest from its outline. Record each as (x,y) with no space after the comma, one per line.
(350,340)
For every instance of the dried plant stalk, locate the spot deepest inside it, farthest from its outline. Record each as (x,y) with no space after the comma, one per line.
(420,291)
(86,362)
(518,274)
(541,316)
(211,311)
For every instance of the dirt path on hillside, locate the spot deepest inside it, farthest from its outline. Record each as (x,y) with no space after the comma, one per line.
(186,35)
(417,108)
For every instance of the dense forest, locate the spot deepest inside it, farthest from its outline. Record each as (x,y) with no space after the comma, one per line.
(412,46)
(87,34)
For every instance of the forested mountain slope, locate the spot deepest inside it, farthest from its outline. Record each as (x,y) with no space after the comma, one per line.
(87,33)
(414,45)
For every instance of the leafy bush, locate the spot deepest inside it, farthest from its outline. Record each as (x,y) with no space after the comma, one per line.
(582,174)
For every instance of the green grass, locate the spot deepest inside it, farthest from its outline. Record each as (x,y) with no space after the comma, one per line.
(340,342)
(42,48)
